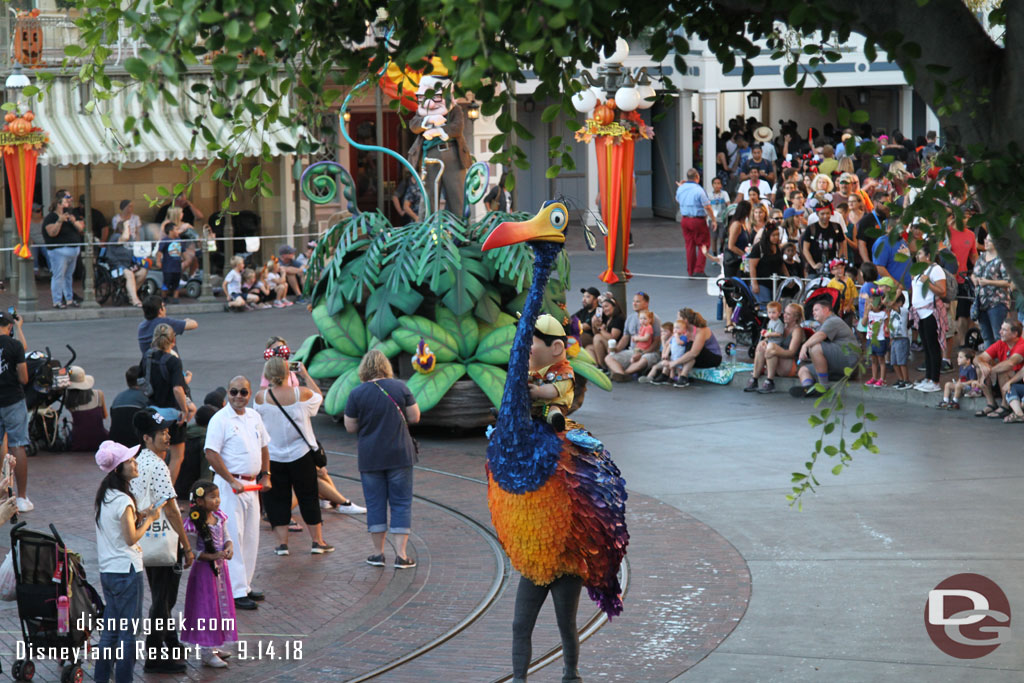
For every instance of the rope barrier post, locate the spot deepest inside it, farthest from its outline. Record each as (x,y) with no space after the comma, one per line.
(88,282)
(775,286)
(229,239)
(206,292)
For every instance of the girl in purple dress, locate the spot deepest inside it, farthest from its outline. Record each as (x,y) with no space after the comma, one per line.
(209,607)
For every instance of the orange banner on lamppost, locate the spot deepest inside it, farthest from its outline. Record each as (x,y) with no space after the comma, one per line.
(21,143)
(614,144)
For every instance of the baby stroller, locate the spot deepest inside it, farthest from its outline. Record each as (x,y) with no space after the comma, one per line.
(54,599)
(814,296)
(791,290)
(48,383)
(747,318)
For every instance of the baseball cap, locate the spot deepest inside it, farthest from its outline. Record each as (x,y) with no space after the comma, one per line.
(593,291)
(285,249)
(790,212)
(886,282)
(6,319)
(149,421)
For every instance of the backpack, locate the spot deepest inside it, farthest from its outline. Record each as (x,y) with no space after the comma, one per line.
(143,382)
(946,260)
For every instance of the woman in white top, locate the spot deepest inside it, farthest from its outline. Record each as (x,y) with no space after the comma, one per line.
(125,229)
(285,411)
(930,313)
(118,530)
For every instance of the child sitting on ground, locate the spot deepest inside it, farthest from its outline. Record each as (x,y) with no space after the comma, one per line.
(277,284)
(255,291)
(967,381)
(666,372)
(876,320)
(774,330)
(233,286)
(899,336)
(659,367)
(643,341)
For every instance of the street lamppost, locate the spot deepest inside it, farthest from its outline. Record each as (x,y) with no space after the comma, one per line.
(15,83)
(615,87)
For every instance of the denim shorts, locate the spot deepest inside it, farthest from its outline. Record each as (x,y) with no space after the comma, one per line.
(14,423)
(899,353)
(879,347)
(388,488)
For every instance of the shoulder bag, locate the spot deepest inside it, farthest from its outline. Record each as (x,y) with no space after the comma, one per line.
(160,542)
(319,456)
(401,413)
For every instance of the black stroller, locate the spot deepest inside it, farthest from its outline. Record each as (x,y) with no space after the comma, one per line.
(54,599)
(48,384)
(747,318)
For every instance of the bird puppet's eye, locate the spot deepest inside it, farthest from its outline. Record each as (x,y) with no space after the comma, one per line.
(559,219)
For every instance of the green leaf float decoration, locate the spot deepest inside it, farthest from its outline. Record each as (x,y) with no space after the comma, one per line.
(502,320)
(309,348)
(337,395)
(591,373)
(490,379)
(331,363)
(496,346)
(389,347)
(412,328)
(344,331)
(431,388)
(463,327)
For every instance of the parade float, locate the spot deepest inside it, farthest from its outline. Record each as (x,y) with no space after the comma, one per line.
(425,294)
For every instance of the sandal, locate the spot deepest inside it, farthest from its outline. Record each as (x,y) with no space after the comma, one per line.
(294,526)
(1013,418)
(1000,413)
(987,410)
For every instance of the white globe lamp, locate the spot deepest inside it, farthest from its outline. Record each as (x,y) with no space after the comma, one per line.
(647,94)
(620,54)
(584,101)
(627,98)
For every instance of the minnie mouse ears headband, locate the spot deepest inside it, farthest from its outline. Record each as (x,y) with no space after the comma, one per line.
(280,351)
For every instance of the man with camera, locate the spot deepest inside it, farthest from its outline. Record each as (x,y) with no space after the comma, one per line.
(13,411)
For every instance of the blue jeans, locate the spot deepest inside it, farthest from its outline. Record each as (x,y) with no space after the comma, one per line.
(62,269)
(383,487)
(990,320)
(123,595)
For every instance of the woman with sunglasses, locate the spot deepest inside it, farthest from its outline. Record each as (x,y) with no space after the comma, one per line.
(63,232)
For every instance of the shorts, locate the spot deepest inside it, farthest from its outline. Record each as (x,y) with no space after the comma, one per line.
(878,348)
(839,357)
(171,281)
(1016,393)
(625,357)
(236,295)
(900,351)
(14,423)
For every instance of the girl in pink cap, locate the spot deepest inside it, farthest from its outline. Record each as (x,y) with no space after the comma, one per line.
(118,530)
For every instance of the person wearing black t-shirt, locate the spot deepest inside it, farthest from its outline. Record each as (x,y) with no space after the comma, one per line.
(171,396)
(61,230)
(13,411)
(586,315)
(765,260)
(824,240)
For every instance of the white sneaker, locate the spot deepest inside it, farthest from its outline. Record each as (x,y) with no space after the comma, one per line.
(350,509)
(24,505)
(932,386)
(324,504)
(211,660)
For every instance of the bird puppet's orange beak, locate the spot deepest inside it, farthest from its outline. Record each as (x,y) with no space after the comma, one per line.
(547,226)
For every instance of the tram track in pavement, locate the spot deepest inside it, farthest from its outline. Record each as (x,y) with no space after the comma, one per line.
(498,586)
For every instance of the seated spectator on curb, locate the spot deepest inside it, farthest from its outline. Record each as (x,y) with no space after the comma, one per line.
(965,383)
(780,357)
(830,350)
(669,344)
(625,361)
(608,323)
(88,409)
(997,364)
(233,287)
(702,349)
(586,314)
(1014,394)
(124,407)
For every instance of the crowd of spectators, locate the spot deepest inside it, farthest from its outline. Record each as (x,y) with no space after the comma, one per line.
(786,209)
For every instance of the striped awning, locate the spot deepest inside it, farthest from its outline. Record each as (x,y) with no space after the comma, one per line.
(78,137)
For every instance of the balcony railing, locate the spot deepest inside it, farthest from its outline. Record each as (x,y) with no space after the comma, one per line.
(38,42)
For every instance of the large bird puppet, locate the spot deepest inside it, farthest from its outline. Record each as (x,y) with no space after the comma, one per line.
(557,500)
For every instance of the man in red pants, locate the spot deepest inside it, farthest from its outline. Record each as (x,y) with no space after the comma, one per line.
(695,208)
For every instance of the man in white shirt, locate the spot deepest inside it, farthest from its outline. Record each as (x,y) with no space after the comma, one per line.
(154,486)
(762,185)
(236,447)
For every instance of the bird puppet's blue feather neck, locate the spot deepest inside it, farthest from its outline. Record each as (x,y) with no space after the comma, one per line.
(523,452)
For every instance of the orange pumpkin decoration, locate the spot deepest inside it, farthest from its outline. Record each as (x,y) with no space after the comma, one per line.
(603,114)
(28,116)
(9,117)
(21,127)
